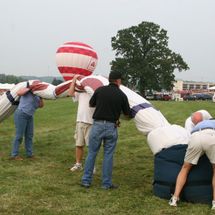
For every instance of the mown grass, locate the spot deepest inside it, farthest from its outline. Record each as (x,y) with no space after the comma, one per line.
(45,186)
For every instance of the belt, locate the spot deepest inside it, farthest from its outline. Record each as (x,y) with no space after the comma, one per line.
(203,129)
(103,121)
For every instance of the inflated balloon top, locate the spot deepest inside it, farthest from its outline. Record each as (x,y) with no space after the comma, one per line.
(76,58)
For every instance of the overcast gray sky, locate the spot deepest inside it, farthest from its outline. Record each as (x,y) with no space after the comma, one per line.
(32,30)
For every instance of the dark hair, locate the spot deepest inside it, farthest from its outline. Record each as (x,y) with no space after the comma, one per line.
(115,75)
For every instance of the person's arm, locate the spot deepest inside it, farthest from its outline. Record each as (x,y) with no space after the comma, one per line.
(71,91)
(92,102)
(182,178)
(126,109)
(188,125)
(22,91)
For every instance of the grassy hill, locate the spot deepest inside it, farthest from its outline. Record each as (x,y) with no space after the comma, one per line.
(45,186)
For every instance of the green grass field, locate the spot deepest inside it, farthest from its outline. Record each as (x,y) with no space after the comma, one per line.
(46,186)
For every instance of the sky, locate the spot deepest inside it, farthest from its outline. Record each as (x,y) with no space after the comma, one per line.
(32,30)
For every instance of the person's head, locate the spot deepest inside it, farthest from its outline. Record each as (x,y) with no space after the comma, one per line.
(196,117)
(115,77)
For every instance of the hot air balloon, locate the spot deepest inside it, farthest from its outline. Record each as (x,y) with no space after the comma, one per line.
(76,58)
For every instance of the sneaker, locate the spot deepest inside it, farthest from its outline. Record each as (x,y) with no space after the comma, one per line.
(76,167)
(17,158)
(173,201)
(112,187)
(85,185)
(32,157)
(213,205)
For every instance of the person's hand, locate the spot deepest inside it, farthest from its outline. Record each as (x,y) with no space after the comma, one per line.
(75,77)
(41,103)
(71,91)
(23,91)
(117,124)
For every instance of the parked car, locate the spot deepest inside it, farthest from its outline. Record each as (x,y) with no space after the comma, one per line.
(189,97)
(166,97)
(158,97)
(207,97)
(202,96)
(149,96)
(199,96)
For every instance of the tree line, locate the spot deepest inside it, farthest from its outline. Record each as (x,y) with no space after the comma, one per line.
(12,79)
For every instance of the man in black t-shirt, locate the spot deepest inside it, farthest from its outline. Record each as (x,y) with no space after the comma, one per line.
(109,101)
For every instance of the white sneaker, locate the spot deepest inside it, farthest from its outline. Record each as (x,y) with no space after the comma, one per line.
(76,167)
(173,201)
(94,170)
(213,205)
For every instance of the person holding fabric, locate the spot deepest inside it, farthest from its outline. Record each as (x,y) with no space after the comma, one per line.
(24,122)
(195,118)
(84,122)
(109,101)
(202,141)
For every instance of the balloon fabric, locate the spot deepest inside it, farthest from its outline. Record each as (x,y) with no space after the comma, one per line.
(147,118)
(9,100)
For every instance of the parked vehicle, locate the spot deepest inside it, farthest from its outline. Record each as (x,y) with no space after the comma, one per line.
(161,97)
(149,96)
(166,97)
(198,96)
(202,96)
(207,97)
(189,97)
(158,97)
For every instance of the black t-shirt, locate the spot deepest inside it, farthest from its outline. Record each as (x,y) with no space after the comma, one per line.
(109,101)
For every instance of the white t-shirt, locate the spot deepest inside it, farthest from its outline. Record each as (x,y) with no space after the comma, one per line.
(189,124)
(85,112)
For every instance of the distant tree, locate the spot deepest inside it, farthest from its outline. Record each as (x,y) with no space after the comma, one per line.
(55,82)
(10,79)
(143,56)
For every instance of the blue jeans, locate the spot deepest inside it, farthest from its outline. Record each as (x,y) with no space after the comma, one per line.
(24,124)
(106,132)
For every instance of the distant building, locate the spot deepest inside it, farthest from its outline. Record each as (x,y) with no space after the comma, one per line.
(193,86)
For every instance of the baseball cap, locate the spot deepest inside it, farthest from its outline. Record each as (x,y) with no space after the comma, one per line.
(115,75)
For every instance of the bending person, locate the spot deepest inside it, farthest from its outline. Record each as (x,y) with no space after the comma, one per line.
(202,141)
(195,118)
(24,122)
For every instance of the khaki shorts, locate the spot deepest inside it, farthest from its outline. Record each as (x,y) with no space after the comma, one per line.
(201,142)
(82,131)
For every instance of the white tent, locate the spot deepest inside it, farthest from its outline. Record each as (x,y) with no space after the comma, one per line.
(6,86)
(212,88)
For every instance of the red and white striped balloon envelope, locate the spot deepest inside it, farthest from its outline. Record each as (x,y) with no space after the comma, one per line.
(76,58)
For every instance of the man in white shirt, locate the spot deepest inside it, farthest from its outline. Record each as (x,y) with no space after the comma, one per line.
(84,122)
